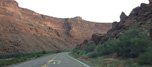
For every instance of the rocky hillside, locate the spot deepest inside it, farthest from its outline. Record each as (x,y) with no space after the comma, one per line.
(23,30)
(140,17)
(131,38)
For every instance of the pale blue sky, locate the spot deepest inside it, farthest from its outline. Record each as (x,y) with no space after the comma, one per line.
(91,10)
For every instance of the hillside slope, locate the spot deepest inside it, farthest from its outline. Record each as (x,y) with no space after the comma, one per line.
(23,30)
(139,17)
(129,40)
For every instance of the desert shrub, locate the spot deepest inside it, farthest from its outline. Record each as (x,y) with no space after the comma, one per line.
(132,43)
(44,52)
(85,41)
(146,58)
(81,53)
(90,47)
(75,50)
(30,25)
(78,51)
(106,48)
(93,55)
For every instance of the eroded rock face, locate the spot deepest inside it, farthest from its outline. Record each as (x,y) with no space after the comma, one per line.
(99,38)
(23,30)
(139,17)
(77,18)
(123,17)
(9,3)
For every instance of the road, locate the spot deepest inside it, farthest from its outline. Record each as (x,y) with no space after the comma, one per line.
(55,60)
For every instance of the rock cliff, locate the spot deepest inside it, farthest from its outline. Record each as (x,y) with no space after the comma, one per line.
(140,17)
(23,30)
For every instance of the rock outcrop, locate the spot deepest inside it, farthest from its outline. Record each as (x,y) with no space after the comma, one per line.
(23,30)
(123,17)
(99,38)
(77,18)
(139,17)
(9,3)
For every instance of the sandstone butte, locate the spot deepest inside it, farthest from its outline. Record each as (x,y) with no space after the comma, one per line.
(23,30)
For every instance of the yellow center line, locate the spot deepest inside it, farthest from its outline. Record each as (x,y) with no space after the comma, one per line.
(45,65)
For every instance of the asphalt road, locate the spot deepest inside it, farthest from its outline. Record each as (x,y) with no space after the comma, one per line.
(55,60)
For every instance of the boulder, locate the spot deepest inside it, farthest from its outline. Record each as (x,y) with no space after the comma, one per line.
(99,38)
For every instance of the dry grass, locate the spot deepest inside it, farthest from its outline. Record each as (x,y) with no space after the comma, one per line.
(109,61)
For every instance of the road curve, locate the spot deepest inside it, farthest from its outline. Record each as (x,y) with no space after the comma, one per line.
(55,60)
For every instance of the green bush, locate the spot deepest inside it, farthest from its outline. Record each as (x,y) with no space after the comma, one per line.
(90,48)
(106,48)
(75,50)
(81,53)
(78,51)
(44,52)
(93,55)
(132,43)
(145,58)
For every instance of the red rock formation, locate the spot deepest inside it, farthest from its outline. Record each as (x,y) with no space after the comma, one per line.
(22,30)
(99,38)
(9,3)
(140,17)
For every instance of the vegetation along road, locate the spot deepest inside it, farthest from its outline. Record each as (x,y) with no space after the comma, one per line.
(55,60)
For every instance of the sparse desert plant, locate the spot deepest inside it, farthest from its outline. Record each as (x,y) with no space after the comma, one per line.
(90,47)
(146,58)
(93,55)
(44,52)
(30,25)
(85,41)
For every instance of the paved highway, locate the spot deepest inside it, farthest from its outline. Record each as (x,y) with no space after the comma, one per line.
(55,60)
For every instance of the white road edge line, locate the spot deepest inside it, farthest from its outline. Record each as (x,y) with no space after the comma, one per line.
(79,61)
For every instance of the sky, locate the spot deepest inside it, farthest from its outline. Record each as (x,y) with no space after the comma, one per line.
(91,10)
